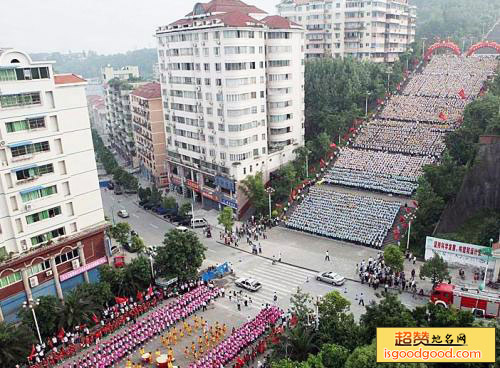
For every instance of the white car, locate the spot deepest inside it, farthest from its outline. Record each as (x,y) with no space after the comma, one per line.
(123,214)
(331,278)
(182,229)
(249,284)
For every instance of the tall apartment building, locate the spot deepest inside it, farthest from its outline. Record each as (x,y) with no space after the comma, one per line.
(149,132)
(119,119)
(51,217)
(98,115)
(378,30)
(233,92)
(125,73)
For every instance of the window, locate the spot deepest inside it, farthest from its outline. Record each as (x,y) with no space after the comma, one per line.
(47,236)
(38,193)
(67,256)
(30,148)
(221,128)
(34,171)
(278,63)
(207,81)
(20,99)
(39,267)
(217,67)
(10,279)
(43,215)
(28,124)
(7,75)
(24,74)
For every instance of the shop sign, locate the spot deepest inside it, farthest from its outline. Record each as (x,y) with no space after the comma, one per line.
(193,185)
(229,203)
(210,195)
(82,269)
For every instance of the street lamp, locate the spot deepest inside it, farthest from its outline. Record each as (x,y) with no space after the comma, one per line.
(307,162)
(423,47)
(31,304)
(269,191)
(318,300)
(488,253)
(366,104)
(389,72)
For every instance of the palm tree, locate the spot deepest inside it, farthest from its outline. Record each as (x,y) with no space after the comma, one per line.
(76,310)
(15,344)
(296,343)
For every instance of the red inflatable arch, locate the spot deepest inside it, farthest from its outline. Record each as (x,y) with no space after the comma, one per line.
(442,45)
(484,44)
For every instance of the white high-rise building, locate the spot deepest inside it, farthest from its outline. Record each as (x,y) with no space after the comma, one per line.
(233,92)
(377,30)
(51,216)
(125,73)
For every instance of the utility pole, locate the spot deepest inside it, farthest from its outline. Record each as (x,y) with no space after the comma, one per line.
(269,191)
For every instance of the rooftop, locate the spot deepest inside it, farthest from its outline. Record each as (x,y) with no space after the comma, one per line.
(68,79)
(224,6)
(149,90)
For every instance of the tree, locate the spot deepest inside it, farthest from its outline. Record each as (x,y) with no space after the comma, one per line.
(99,293)
(366,357)
(297,343)
(185,209)
(120,232)
(113,277)
(136,276)
(137,244)
(15,343)
(389,312)
(143,194)
(226,219)
(436,269)
(48,320)
(431,315)
(333,356)
(169,202)
(393,257)
(77,310)
(253,187)
(300,306)
(181,256)
(155,198)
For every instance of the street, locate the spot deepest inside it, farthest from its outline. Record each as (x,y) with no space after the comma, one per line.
(280,278)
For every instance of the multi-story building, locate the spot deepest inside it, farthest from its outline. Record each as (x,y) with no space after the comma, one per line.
(149,132)
(125,73)
(378,30)
(51,217)
(119,119)
(233,93)
(156,72)
(98,115)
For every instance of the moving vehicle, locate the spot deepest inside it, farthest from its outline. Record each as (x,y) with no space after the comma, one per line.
(123,214)
(247,283)
(111,185)
(481,304)
(331,278)
(199,222)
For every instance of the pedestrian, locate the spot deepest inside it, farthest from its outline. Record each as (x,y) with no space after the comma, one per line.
(260,248)
(386,287)
(327,256)
(274,259)
(361,300)
(414,259)
(275,297)
(279,257)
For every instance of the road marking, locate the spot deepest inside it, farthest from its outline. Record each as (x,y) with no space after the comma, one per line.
(152,225)
(135,215)
(211,250)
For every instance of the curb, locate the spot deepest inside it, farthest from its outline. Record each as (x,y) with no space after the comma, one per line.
(300,267)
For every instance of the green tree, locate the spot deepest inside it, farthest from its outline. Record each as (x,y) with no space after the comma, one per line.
(366,357)
(296,343)
(169,202)
(185,209)
(333,356)
(226,219)
(120,232)
(288,363)
(76,311)
(48,320)
(431,315)
(15,343)
(137,244)
(436,269)
(99,293)
(113,277)
(394,257)
(155,198)
(300,306)
(181,256)
(253,188)
(389,312)
(143,194)
(136,276)
(336,323)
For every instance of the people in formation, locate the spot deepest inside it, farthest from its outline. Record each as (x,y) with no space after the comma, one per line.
(344,216)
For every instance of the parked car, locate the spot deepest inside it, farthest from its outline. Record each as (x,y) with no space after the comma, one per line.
(199,222)
(182,229)
(148,206)
(123,214)
(130,191)
(249,284)
(186,221)
(143,202)
(128,247)
(111,185)
(159,210)
(331,278)
(118,190)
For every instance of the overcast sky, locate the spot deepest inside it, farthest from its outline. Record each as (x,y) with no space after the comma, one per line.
(106,26)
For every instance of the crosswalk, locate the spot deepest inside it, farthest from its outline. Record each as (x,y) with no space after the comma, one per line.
(278,278)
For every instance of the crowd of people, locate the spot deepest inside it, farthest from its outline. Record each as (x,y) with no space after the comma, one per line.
(239,340)
(344,216)
(107,352)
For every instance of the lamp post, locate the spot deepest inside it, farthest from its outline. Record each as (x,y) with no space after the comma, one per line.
(269,191)
(318,300)
(389,72)
(31,304)
(366,104)
(423,47)
(488,253)
(307,162)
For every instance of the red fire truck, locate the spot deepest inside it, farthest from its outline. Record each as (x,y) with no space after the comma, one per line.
(481,304)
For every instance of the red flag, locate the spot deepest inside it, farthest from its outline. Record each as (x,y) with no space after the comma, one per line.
(443,116)
(380,101)
(351,130)
(402,219)
(415,203)
(33,352)
(333,145)
(61,333)
(462,94)
(150,290)
(322,162)
(139,296)
(408,209)
(94,318)
(120,300)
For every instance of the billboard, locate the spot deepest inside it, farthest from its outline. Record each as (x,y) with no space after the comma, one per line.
(458,253)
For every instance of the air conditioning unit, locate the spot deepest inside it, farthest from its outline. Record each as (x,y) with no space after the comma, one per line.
(200,117)
(211,102)
(4,163)
(195,45)
(223,163)
(198,88)
(202,43)
(75,264)
(48,273)
(218,42)
(2,143)
(33,281)
(27,207)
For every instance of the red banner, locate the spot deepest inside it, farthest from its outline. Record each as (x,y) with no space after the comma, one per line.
(193,185)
